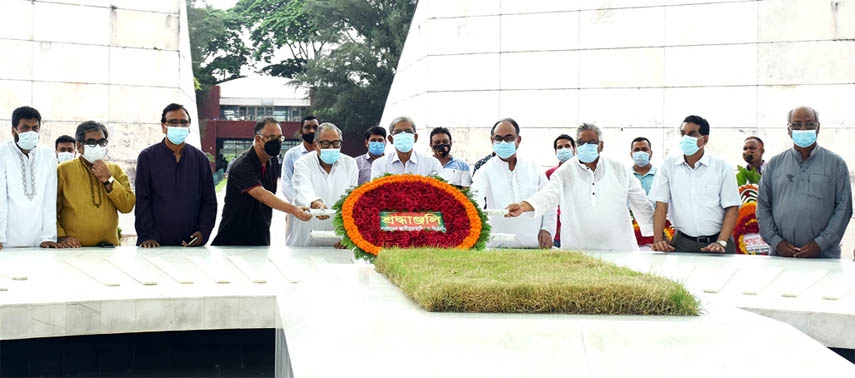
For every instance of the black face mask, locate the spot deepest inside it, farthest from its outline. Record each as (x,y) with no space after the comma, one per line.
(309,138)
(442,149)
(273,147)
(748,158)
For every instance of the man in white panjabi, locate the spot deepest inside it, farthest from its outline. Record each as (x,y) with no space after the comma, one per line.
(508,179)
(320,178)
(593,192)
(28,189)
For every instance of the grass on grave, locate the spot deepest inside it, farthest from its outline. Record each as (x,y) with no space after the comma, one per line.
(530,281)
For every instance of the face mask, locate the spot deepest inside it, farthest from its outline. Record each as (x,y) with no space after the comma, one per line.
(404,142)
(64,156)
(376,148)
(504,149)
(177,135)
(273,147)
(588,152)
(309,138)
(748,158)
(689,145)
(641,158)
(93,154)
(28,140)
(802,138)
(442,150)
(330,155)
(564,154)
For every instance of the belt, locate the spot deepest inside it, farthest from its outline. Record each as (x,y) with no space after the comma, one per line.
(700,239)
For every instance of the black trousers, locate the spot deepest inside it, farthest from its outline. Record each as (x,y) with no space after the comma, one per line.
(684,243)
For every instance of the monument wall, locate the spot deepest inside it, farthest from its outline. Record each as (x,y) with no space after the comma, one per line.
(633,67)
(118,62)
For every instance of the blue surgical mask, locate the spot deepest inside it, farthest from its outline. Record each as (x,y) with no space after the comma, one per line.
(564,154)
(505,149)
(64,156)
(376,148)
(689,145)
(641,158)
(177,135)
(28,140)
(330,155)
(404,141)
(802,138)
(588,152)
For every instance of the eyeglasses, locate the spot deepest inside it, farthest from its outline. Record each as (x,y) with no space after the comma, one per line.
(580,143)
(176,122)
(93,142)
(328,144)
(272,137)
(507,138)
(408,131)
(803,126)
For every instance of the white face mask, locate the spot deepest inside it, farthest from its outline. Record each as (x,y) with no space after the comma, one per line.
(93,154)
(64,156)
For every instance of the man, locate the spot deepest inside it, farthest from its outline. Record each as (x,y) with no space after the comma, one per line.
(91,192)
(321,178)
(752,153)
(176,203)
(641,151)
(402,134)
(28,188)
(702,194)
(805,199)
(307,131)
(455,172)
(64,146)
(480,163)
(250,190)
(592,191)
(508,179)
(375,142)
(565,148)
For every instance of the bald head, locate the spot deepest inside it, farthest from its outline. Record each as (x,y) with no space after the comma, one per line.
(802,112)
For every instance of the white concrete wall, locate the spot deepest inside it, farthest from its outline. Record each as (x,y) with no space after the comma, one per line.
(633,67)
(118,62)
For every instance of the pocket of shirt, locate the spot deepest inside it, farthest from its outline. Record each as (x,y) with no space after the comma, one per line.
(710,195)
(820,187)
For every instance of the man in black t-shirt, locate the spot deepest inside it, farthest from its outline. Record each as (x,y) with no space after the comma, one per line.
(252,181)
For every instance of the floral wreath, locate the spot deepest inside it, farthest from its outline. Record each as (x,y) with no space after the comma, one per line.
(746,221)
(357,218)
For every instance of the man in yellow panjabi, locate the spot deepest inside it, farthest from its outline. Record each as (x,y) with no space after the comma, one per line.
(89,192)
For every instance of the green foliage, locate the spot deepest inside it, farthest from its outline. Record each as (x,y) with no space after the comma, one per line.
(530,281)
(747,176)
(216,48)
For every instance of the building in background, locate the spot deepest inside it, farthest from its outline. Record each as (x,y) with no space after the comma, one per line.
(118,62)
(232,108)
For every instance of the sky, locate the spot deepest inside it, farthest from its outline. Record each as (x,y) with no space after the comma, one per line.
(222,4)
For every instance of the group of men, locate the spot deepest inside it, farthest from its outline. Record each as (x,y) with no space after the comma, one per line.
(76,202)
(804,202)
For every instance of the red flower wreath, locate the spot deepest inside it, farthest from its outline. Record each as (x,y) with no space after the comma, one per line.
(358,221)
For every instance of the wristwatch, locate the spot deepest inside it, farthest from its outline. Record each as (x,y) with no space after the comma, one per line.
(109,181)
(722,243)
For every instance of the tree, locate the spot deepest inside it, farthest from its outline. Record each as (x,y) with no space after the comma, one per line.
(217,50)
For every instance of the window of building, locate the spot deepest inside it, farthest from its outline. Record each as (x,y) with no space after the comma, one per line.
(256,113)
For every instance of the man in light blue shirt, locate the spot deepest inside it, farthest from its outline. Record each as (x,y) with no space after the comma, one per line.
(307,130)
(641,152)
(456,172)
(402,134)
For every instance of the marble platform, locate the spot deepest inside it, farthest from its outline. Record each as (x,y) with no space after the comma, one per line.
(329,308)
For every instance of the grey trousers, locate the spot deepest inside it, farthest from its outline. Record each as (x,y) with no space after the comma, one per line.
(682,243)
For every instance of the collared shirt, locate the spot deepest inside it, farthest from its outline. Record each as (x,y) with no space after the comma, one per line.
(805,200)
(246,221)
(363,163)
(496,186)
(27,196)
(85,211)
(698,197)
(312,183)
(645,179)
(481,162)
(456,172)
(174,199)
(291,157)
(418,164)
(593,204)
